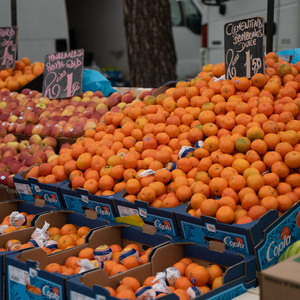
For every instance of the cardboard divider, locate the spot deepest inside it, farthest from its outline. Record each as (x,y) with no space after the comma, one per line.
(163,219)
(81,201)
(253,238)
(32,261)
(31,189)
(239,272)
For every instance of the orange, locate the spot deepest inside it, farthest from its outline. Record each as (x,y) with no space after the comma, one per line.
(284,203)
(214,271)
(182,283)
(256,211)
(133,186)
(196,200)
(217,185)
(147,194)
(292,159)
(91,185)
(54,231)
(126,294)
(249,200)
(163,175)
(217,282)
(106,182)
(118,268)
(65,241)
(225,214)
(131,262)
(68,229)
(198,275)
(180,266)
(53,267)
(270,202)
(209,207)
(87,253)
(131,282)
(84,161)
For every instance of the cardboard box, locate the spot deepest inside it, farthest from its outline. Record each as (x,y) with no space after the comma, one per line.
(281,281)
(27,267)
(266,238)
(239,274)
(81,201)
(54,218)
(163,219)
(6,208)
(32,190)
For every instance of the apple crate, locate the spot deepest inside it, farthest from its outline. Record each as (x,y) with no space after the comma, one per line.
(26,268)
(81,201)
(32,190)
(266,238)
(64,140)
(163,219)
(7,193)
(239,272)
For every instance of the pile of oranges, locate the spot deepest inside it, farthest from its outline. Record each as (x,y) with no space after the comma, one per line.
(192,275)
(23,72)
(66,237)
(247,161)
(112,266)
(12,228)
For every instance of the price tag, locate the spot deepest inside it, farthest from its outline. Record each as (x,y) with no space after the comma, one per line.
(8,46)
(244,47)
(62,76)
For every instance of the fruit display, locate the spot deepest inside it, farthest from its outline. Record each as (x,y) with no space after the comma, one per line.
(229,148)
(187,279)
(16,157)
(23,72)
(290,251)
(113,259)
(29,113)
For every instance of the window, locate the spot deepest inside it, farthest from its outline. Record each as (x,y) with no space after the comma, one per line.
(185,13)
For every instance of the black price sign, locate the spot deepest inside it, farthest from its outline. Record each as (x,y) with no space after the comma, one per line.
(244,47)
(8,46)
(62,76)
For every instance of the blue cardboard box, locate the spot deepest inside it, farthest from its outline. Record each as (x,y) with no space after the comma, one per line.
(80,200)
(31,189)
(6,208)
(266,238)
(163,219)
(29,265)
(239,274)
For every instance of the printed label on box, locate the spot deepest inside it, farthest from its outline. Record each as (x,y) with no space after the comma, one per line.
(164,225)
(99,297)
(278,239)
(78,296)
(37,188)
(77,204)
(125,211)
(18,275)
(198,234)
(23,188)
(51,198)
(143,213)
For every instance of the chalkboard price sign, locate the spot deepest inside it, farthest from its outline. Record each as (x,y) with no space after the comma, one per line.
(8,46)
(244,47)
(62,76)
